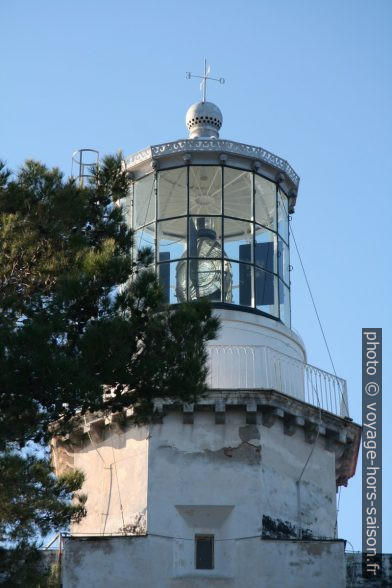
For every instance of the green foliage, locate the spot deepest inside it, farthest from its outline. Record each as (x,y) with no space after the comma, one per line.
(68,331)
(22,566)
(33,501)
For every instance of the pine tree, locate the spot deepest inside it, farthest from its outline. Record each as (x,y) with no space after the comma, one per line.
(78,316)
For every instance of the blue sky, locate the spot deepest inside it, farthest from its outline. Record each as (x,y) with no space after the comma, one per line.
(310,81)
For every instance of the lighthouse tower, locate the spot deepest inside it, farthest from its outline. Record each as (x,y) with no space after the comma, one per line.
(238,490)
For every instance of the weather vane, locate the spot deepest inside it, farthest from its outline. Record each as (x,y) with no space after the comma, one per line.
(203,83)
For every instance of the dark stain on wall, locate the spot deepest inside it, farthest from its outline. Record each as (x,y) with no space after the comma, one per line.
(279,529)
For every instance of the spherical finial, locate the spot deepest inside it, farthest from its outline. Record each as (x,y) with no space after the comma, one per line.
(203,119)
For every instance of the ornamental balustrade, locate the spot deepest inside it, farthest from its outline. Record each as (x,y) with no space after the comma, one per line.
(244,367)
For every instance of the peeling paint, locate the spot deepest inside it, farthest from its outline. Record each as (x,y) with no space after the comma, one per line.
(244,453)
(249,433)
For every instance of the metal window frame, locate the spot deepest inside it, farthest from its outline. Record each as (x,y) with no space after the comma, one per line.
(252,221)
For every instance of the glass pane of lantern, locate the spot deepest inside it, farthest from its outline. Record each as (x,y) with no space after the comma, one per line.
(283,262)
(205,236)
(239,288)
(144,201)
(172,192)
(171,238)
(266,292)
(237,193)
(173,280)
(205,279)
(265,248)
(283,216)
(284,300)
(229,295)
(205,190)
(265,202)
(144,237)
(238,239)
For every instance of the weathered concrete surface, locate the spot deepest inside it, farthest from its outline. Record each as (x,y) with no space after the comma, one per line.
(295,564)
(118,561)
(252,469)
(354,572)
(149,562)
(116,482)
(139,479)
(236,481)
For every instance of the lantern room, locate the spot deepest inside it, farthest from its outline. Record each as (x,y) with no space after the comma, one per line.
(216,215)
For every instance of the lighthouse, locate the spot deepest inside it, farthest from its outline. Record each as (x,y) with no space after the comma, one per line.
(238,489)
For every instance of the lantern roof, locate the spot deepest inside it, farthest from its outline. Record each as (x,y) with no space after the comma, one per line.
(204,147)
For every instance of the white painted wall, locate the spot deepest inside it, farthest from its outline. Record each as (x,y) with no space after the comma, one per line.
(230,475)
(189,465)
(116,466)
(148,562)
(253,351)
(247,328)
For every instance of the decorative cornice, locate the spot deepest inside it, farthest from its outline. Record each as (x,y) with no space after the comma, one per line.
(340,435)
(213,145)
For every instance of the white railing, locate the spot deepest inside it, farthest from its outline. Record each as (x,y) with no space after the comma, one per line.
(244,367)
